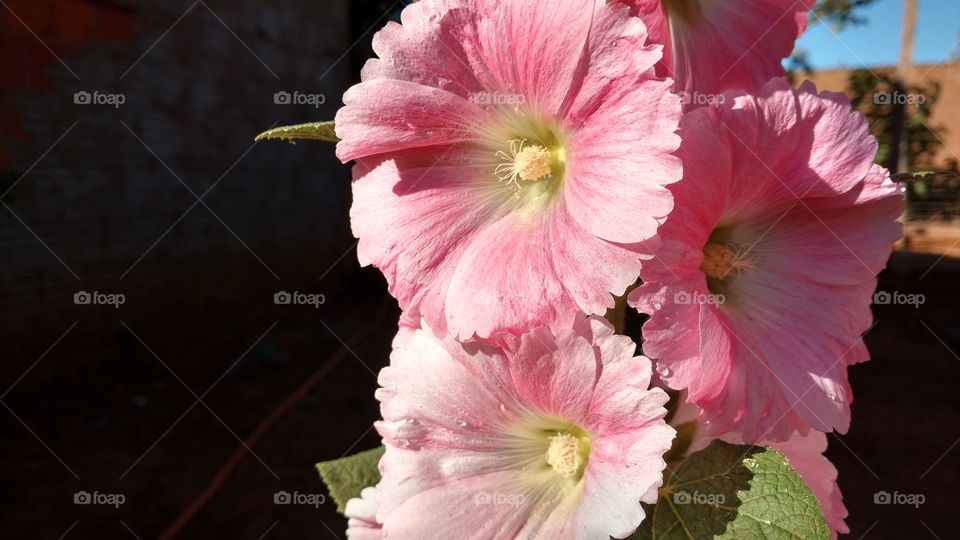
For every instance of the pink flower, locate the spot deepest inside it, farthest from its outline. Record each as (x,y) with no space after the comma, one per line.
(361,515)
(711,46)
(549,436)
(408,323)
(489,187)
(768,261)
(805,454)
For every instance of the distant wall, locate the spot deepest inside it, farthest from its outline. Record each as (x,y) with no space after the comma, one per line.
(196,87)
(946,112)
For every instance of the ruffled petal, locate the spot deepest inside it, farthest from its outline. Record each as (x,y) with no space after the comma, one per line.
(785,179)
(711,46)
(614,185)
(468,428)
(610,504)
(385,115)
(361,513)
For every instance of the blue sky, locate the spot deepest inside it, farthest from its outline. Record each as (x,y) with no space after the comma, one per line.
(878,41)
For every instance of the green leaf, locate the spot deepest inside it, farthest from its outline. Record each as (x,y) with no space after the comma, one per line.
(346,477)
(320,131)
(731,491)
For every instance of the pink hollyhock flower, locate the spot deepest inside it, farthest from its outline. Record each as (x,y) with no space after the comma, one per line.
(361,515)
(489,185)
(552,435)
(768,261)
(805,454)
(408,323)
(711,46)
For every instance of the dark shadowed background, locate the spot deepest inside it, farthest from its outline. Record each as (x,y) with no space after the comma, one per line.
(127,167)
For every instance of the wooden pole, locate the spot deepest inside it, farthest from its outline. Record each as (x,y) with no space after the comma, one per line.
(905,73)
(904,76)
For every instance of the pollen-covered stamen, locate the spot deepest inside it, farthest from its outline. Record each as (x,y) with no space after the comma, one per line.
(524,163)
(565,454)
(722,260)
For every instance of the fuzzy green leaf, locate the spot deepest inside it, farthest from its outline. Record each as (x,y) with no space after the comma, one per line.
(346,477)
(319,131)
(731,491)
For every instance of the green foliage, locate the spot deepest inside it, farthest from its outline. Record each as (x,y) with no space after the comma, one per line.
(732,491)
(346,477)
(319,131)
(839,13)
(724,491)
(874,93)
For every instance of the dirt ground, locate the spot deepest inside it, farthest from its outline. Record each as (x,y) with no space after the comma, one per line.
(107,408)
(934,238)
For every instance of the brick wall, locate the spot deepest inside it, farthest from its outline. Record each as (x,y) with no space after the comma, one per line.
(946,112)
(197,82)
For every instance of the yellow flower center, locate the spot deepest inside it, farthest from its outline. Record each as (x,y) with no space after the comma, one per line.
(533,163)
(720,260)
(567,454)
(524,163)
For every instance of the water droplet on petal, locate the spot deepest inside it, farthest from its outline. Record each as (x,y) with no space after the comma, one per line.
(664,371)
(460,422)
(657,305)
